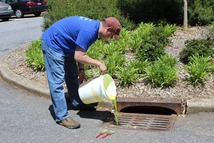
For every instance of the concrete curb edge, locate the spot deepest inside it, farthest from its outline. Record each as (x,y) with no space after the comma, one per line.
(12,78)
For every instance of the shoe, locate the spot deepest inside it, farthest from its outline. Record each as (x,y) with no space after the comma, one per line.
(69,123)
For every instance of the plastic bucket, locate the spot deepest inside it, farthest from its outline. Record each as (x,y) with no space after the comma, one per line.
(100,89)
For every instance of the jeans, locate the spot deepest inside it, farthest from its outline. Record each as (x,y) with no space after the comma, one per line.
(59,69)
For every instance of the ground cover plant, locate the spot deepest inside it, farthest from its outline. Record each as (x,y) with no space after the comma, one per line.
(202,47)
(198,69)
(34,56)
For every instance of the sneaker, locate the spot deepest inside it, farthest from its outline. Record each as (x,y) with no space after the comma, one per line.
(69,123)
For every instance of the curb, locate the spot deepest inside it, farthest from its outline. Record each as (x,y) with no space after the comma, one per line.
(10,77)
(192,106)
(200,105)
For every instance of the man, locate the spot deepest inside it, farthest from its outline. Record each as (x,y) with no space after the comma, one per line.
(64,47)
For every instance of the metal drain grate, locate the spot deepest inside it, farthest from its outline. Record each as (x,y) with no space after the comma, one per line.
(145,121)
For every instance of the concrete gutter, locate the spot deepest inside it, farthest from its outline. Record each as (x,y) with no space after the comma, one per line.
(192,106)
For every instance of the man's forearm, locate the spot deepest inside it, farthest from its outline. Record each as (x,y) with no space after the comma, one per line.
(88,60)
(81,57)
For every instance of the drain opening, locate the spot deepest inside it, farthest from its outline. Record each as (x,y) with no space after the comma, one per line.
(148,110)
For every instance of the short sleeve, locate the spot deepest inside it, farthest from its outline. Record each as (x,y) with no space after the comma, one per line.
(85,39)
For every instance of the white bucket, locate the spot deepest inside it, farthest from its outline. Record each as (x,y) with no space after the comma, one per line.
(100,89)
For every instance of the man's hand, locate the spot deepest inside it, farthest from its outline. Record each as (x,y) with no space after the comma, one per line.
(102,67)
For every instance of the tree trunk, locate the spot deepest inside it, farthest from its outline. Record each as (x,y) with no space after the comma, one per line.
(185,24)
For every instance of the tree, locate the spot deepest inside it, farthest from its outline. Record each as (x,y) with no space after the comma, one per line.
(185,24)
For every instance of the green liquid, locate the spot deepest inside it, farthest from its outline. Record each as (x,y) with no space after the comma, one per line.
(115,111)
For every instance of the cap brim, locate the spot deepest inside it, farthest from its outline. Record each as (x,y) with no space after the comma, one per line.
(117,37)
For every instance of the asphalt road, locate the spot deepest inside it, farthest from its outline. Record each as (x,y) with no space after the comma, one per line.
(26,117)
(16,32)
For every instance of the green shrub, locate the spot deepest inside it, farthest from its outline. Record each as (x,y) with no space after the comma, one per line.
(131,72)
(95,9)
(162,32)
(138,36)
(139,65)
(163,72)
(198,69)
(34,56)
(152,10)
(128,76)
(114,62)
(200,12)
(201,47)
(95,50)
(151,41)
(150,50)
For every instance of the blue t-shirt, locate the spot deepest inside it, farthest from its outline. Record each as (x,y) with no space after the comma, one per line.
(65,34)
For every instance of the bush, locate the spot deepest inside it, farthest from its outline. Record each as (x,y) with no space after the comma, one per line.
(128,76)
(201,12)
(162,32)
(133,71)
(137,37)
(139,65)
(150,50)
(203,48)
(34,56)
(148,40)
(95,9)
(114,62)
(132,12)
(198,69)
(163,72)
(152,10)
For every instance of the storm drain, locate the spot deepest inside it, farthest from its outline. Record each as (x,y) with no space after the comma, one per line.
(141,114)
(144,122)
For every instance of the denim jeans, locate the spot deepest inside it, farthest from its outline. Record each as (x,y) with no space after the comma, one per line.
(59,69)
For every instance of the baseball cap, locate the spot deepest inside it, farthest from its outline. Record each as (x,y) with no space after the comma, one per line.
(115,25)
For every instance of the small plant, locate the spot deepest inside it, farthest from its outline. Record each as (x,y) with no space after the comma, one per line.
(95,50)
(138,36)
(162,73)
(139,65)
(34,56)
(162,32)
(150,45)
(198,69)
(133,70)
(203,48)
(114,62)
(150,50)
(128,76)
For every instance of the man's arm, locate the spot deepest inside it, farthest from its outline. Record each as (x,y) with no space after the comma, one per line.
(81,57)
